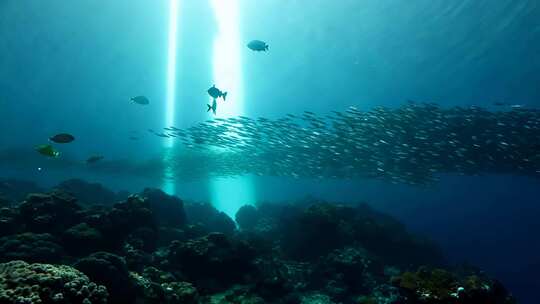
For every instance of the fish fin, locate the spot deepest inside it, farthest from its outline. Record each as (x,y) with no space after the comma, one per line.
(214,110)
(224,96)
(209,107)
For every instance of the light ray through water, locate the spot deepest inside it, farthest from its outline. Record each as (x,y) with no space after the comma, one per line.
(229,194)
(168,182)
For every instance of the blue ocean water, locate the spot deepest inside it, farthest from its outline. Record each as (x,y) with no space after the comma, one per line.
(72,66)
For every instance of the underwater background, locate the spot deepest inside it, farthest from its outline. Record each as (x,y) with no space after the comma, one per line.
(72,67)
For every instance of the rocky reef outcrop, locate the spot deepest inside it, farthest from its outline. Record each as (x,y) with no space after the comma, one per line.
(152,248)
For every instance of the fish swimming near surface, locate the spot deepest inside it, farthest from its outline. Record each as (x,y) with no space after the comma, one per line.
(212,107)
(142,100)
(62,138)
(258,46)
(94,159)
(47,150)
(216,93)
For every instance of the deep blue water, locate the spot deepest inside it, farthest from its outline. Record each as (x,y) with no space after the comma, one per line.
(73,65)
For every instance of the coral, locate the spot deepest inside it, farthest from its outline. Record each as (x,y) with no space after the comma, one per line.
(212,262)
(21,282)
(30,247)
(168,210)
(109,270)
(50,213)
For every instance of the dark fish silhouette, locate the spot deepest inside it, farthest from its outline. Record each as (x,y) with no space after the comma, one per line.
(94,159)
(216,93)
(62,138)
(142,100)
(258,46)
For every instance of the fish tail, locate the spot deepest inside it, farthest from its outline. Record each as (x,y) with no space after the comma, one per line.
(266,47)
(224,96)
(209,107)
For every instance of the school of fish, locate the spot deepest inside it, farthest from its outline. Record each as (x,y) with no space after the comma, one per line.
(412,144)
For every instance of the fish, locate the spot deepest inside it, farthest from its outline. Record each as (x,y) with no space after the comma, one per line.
(62,138)
(216,93)
(47,150)
(142,100)
(258,46)
(94,159)
(212,107)
(411,144)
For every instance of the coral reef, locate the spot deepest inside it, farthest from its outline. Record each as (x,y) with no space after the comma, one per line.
(153,248)
(21,282)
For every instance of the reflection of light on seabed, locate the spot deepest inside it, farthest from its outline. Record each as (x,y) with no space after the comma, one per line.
(229,194)
(168,171)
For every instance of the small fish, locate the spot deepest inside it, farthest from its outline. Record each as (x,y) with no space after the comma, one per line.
(47,150)
(94,159)
(216,93)
(62,138)
(142,100)
(212,107)
(258,46)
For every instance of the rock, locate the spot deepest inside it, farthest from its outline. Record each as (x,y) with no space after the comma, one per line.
(31,247)
(432,286)
(111,271)
(212,262)
(50,213)
(180,293)
(124,219)
(210,218)
(82,239)
(8,222)
(168,210)
(319,228)
(14,190)
(247,217)
(353,269)
(21,282)
(237,295)
(91,193)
